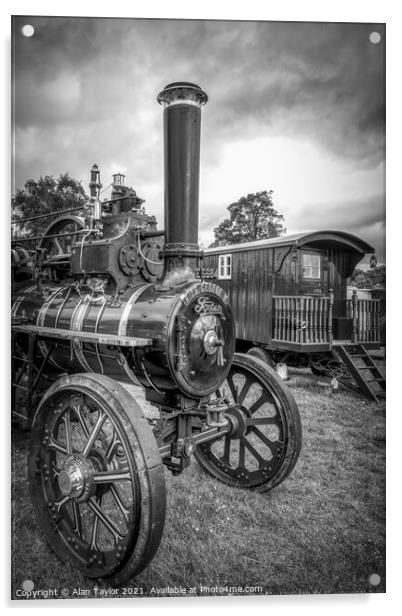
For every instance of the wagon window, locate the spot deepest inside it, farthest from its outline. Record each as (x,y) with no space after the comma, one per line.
(225,267)
(311,265)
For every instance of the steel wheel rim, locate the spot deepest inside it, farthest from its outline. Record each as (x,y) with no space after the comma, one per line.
(86,527)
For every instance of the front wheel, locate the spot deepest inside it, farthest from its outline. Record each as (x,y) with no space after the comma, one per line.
(265,440)
(96,477)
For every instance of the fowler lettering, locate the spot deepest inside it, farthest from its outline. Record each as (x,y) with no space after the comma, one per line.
(206,305)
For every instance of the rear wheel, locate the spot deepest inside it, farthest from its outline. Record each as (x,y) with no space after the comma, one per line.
(96,477)
(265,440)
(263,354)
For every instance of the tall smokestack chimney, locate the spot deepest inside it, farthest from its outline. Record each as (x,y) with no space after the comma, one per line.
(182,104)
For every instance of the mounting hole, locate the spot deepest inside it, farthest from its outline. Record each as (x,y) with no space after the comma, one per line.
(374,579)
(375,38)
(28,585)
(28,30)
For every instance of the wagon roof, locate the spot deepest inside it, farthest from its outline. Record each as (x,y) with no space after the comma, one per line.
(315,239)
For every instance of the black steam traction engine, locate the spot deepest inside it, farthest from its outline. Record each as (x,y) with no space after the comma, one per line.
(123,307)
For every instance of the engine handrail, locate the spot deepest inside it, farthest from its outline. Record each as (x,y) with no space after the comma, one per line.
(69,334)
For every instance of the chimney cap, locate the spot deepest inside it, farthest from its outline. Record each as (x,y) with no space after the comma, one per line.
(182,92)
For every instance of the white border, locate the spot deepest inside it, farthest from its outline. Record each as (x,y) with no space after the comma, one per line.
(308,10)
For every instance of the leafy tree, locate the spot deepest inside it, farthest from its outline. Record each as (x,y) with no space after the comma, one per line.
(45,196)
(371,279)
(250,218)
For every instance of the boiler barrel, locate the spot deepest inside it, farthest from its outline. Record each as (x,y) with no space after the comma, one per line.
(184,324)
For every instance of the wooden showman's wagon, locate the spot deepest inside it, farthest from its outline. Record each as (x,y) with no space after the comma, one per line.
(290,304)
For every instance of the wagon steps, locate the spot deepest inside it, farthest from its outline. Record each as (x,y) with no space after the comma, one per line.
(370,380)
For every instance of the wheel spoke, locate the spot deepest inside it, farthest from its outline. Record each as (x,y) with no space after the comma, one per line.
(257,404)
(232,386)
(55,470)
(105,519)
(253,451)
(94,434)
(264,438)
(77,518)
(262,400)
(242,454)
(95,529)
(117,497)
(60,503)
(110,476)
(274,446)
(78,412)
(245,389)
(261,421)
(226,451)
(67,424)
(53,444)
(112,446)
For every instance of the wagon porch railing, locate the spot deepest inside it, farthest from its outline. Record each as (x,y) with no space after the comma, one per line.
(307,319)
(365,314)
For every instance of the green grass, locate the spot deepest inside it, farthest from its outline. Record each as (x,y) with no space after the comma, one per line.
(321,531)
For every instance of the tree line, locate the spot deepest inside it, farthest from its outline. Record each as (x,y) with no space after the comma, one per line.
(251,218)
(45,196)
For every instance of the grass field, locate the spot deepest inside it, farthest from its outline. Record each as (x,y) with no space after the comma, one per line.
(321,531)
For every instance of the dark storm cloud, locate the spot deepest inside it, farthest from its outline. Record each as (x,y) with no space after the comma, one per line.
(347,214)
(325,81)
(321,80)
(364,217)
(85,91)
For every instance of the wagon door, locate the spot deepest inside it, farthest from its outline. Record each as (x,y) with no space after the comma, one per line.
(342,323)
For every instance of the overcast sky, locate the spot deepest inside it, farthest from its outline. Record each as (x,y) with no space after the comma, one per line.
(298,108)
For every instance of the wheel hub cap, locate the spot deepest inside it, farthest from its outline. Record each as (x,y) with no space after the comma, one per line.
(238,423)
(210,342)
(75,478)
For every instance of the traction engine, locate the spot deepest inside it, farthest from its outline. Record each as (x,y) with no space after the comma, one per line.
(107,301)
